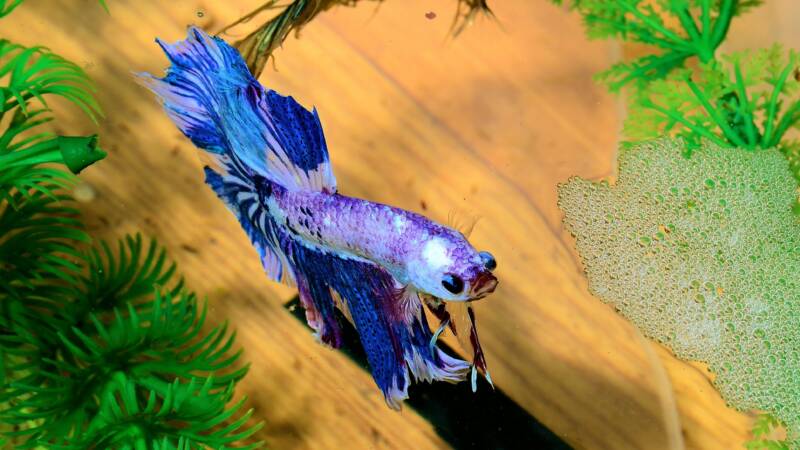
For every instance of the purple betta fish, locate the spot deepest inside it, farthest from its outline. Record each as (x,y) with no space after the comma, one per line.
(375,263)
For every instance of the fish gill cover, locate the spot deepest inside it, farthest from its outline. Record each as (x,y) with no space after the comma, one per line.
(702,254)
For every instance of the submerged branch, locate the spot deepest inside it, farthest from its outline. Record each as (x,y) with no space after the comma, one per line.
(257,47)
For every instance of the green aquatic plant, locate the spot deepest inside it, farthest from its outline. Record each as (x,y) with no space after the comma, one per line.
(677,29)
(764,428)
(98,348)
(686,89)
(702,254)
(257,47)
(747,99)
(6,6)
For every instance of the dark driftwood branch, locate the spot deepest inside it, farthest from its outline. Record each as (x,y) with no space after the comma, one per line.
(257,47)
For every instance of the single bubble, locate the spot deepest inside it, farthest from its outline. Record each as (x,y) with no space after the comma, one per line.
(84,192)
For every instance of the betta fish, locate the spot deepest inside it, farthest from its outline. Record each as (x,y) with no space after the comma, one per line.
(375,263)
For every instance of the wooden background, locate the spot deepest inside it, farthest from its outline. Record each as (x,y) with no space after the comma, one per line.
(485,124)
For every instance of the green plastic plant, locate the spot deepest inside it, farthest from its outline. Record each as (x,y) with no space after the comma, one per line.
(678,29)
(99,348)
(763,429)
(702,254)
(747,99)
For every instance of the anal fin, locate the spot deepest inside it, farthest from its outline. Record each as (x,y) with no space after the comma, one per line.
(397,343)
(241,197)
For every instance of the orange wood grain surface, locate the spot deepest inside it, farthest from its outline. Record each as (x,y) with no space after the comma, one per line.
(484,124)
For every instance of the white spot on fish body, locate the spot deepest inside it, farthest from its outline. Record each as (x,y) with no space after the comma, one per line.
(399,223)
(435,253)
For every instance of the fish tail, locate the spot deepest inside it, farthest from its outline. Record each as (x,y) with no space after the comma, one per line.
(201,71)
(212,97)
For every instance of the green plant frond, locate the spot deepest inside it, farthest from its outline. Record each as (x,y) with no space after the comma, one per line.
(154,347)
(742,6)
(103,347)
(747,99)
(651,67)
(134,417)
(23,158)
(6,6)
(28,180)
(35,72)
(20,123)
(164,338)
(791,149)
(37,240)
(677,29)
(113,280)
(763,429)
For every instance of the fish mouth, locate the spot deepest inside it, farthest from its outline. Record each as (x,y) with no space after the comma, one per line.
(484,284)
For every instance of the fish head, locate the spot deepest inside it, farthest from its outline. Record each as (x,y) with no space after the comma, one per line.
(448,267)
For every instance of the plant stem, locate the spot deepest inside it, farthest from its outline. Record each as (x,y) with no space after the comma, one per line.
(40,153)
(682,120)
(700,45)
(732,137)
(772,108)
(787,121)
(647,20)
(750,127)
(723,22)
(705,20)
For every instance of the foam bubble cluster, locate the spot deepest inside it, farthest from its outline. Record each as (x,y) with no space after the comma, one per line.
(703,255)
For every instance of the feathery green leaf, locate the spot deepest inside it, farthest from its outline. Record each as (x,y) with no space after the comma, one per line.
(678,29)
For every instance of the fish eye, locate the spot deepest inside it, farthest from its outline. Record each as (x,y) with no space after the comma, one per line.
(488,261)
(453,283)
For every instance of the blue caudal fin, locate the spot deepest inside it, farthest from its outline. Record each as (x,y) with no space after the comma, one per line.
(209,93)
